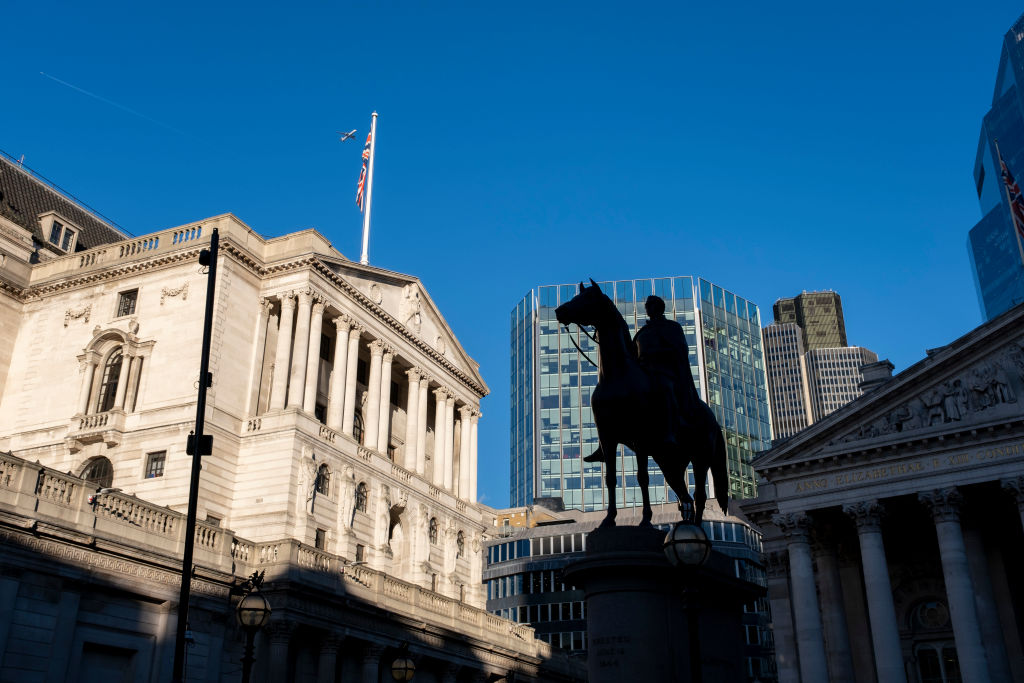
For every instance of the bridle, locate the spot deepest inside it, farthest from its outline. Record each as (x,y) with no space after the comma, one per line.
(582,352)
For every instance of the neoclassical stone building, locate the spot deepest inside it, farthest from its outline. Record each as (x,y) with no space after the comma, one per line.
(893,528)
(343,410)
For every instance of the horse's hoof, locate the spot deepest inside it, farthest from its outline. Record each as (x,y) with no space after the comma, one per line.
(608,522)
(645,524)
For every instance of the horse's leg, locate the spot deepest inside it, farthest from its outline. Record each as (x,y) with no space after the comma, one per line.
(643,478)
(609,480)
(700,480)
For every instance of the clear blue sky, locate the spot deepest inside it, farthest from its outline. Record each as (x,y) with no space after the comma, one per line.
(768,147)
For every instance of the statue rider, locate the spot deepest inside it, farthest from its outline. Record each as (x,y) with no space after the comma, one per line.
(665,357)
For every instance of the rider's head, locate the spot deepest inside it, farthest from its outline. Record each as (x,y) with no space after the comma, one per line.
(655,306)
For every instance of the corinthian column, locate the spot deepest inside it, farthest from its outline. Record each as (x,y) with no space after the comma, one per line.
(256,364)
(885,632)
(449,440)
(89,365)
(833,615)
(474,418)
(421,426)
(313,357)
(944,505)
(283,352)
(336,397)
(373,395)
(1015,487)
(351,370)
(440,395)
(464,441)
(796,526)
(297,378)
(122,380)
(384,425)
(411,413)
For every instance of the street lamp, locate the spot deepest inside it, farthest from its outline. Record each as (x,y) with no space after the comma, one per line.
(253,613)
(403,668)
(687,547)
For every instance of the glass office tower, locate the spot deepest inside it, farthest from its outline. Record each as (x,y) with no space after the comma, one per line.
(552,425)
(991,243)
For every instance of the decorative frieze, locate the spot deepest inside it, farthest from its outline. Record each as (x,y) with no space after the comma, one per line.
(75,313)
(181,291)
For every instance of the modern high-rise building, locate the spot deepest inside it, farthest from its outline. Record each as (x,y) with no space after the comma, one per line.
(819,315)
(807,378)
(991,244)
(552,424)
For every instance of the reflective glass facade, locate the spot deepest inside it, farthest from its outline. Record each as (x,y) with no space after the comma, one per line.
(552,424)
(991,244)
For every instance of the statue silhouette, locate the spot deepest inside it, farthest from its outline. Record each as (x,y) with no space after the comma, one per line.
(645,399)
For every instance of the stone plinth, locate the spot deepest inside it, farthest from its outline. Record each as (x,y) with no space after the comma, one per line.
(637,610)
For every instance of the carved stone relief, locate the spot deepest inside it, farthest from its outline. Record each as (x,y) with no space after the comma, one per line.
(412,309)
(76,313)
(181,291)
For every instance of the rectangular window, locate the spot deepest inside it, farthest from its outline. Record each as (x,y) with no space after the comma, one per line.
(155,464)
(55,232)
(360,553)
(126,302)
(212,519)
(321,539)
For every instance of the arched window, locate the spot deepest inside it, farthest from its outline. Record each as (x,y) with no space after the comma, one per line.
(323,480)
(361,496)
(111,375)
(98,471)
(433,530)
(357,428)
(460,545)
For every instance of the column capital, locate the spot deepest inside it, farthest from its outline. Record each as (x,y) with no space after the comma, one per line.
(287,299)
(465,412)
(944,504)
(451,398)
(342,322)
(265,305)
(425,377)
(867,514)
(305,296)
(1015,487)
(475,416)
(441,393)
(389,353)
(413,374)
(319,303)
(376,347)
(795,525)
(357,329)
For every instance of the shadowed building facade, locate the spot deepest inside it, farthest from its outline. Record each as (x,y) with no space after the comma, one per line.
(552,425)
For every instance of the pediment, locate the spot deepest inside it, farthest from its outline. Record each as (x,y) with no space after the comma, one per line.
(977,380)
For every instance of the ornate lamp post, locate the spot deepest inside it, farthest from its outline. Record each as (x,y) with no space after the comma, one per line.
(403,668)
(687,546)
(253,613)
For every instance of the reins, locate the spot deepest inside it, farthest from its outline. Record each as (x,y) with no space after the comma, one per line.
(582,352)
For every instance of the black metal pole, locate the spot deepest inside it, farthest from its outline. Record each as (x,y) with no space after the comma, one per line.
(247,660)
(178,675)
(696,666)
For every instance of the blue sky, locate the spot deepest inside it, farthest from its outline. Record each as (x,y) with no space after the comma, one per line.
(768,147)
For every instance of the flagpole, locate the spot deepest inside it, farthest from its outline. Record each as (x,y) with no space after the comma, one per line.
(364,257)
(1009,201)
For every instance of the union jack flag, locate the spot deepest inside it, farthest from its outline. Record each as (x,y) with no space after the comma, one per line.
(1014,195)
(362,174)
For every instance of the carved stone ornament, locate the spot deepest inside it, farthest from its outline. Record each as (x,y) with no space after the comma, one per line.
(987,385)
(181,291)
(411,310)
(439,344)
(795,525)
(944,504)
(376,294)
(75,313)
(867,514)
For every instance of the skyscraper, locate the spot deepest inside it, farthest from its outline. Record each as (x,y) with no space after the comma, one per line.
(991,244)
(819,315)
(552,425)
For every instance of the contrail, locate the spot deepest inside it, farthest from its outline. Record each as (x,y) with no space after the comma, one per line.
(115,104)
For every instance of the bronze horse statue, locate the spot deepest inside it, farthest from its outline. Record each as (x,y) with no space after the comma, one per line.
(624,406)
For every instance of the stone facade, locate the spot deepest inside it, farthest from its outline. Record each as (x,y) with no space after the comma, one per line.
(892,528)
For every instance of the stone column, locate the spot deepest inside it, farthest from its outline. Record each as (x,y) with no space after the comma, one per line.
(777,565)
(796,526)
(464,439)
(328,663)
(279,635)
(351,369)
(944,505)
(449,439)
(833,614)
(258,351)
(371,662)
(412,411)
(122,380)
(988,611)
(440,395)
(133,384)
(283,353)
(473,420)
(885,632)
(373,396)
(1015,487)
(421,422)
(384,421)
(297,378)
(89,364)
(313,357)
(336,398)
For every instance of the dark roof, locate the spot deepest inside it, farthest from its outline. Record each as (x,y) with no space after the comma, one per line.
(25,195)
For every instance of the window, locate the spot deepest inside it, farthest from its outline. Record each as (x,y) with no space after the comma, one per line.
(323,480)
(320,542)
(126,302)
(433,530)
(361,496)
(362,372)
(98,471)
(61,236)
(357,428)
(360,552)
(155,464)
(213,519)
(460,545)
(111,375)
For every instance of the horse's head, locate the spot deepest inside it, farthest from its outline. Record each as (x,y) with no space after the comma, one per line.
(583,309)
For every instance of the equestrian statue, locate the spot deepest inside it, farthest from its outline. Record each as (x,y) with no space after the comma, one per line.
(645,399)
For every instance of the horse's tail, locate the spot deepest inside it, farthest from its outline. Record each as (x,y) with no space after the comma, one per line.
(719,471)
